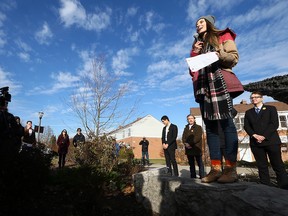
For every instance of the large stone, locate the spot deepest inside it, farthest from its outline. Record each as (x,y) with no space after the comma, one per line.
(231,199)
(182,196)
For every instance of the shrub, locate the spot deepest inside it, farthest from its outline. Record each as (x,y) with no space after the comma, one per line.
(23,181)
(96,153)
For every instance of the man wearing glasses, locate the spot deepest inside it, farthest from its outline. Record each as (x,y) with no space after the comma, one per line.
(169,136)
(261,123)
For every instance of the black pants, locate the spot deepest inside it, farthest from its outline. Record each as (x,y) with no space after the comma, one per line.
(61,161)
(274,154)
(191,161)
(170,158)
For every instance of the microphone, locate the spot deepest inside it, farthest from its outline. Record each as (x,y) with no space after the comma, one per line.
(196,36)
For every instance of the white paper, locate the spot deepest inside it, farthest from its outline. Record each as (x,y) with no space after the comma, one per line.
(200,61)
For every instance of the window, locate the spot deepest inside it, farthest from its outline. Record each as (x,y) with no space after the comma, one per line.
(129,132)
(283,121)
(123,134)
(239,122)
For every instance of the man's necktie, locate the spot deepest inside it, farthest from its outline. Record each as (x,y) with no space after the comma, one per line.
(257,110)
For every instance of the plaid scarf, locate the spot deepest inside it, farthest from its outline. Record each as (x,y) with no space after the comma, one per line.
(212,93)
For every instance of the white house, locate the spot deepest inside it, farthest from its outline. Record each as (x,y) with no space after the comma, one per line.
(133,133)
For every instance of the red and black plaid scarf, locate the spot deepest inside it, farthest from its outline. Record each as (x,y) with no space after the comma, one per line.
(212,93)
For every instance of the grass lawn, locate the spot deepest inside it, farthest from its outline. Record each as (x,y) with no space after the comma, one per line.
(157,161)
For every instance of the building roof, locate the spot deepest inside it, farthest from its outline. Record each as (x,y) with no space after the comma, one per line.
(243,106)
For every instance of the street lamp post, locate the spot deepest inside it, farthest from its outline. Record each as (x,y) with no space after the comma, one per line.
(40,114)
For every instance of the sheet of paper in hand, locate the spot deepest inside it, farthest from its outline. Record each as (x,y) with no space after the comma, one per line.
(200,61)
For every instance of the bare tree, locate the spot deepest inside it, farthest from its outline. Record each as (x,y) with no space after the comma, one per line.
(99,98)
(46,136)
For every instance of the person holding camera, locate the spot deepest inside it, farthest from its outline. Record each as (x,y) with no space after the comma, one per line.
(9,144)
(145,155)
(63,144)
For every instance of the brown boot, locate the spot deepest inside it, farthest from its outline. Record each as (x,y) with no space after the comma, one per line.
(214,173)
(229,174)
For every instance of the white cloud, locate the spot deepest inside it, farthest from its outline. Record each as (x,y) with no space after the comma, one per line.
(2,34)
(7,80)
(62,80)
(44,34)
(2,18)
(25,49)
(121,61)
(24,56)
(132,11)
(23,46)
(170,101)
(2,38)
(73,13)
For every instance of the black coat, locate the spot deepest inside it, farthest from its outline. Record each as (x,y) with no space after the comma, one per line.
(78,138)
(145,144)
(265,123)
(171,136)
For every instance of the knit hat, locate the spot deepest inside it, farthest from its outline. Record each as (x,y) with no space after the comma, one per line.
(209,18)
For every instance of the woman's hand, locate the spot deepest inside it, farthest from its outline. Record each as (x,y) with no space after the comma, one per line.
(197,46)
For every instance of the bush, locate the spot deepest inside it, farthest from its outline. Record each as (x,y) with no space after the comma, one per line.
(96,153)
(22,182)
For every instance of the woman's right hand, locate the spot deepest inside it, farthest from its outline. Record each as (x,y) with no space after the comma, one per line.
(197,46)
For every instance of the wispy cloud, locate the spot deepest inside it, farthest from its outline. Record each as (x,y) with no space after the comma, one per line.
(73,13)
(120,62)
(132,11)
(2,34)
(6,79)
(24,50)
(24,56)
(44,35)
(62,81)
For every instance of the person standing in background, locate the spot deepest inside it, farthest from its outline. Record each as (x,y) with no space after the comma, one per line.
(192,139)
(78,138)
(145,155)
(169,144)
(261,123)
(63,143)
(29,138)
(20,133)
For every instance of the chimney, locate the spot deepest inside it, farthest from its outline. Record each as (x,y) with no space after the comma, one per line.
(243,102)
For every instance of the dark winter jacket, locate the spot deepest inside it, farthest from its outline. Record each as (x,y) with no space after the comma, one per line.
(78,138)
(63,144)
(194,138)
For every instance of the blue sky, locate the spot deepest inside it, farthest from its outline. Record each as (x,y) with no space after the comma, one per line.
(46,45)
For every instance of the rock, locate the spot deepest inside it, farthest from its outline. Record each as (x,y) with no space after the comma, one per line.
(181,196)
(231,199)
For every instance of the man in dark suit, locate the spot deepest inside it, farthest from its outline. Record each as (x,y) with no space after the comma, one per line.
(169,136)
(261,123)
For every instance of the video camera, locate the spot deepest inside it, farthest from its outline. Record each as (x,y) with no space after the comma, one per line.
(5,97)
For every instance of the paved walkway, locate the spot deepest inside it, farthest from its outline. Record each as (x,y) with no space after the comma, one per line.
(184,171)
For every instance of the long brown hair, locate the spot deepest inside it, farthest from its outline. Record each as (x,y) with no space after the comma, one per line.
(212,35)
